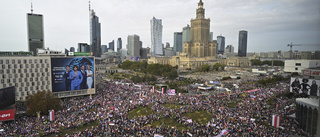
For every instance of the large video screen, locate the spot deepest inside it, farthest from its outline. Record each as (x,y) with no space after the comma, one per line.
(72,73)
(7,97)
(309,86)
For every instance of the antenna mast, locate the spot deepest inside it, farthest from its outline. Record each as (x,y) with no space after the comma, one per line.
(31,8)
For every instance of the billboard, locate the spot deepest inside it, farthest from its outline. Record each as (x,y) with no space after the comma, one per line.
(7,103)
(309,86)
(72,73)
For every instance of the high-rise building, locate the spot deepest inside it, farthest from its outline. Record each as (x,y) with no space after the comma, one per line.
(186,34)
(156,37)
(72,49)
(177,42)
(211,37)
(242,45)
(167,45)
(141,44)
(119,44)
(229,49)
(133,46)
(83,47)
(111,45)
(95,34)
(199,45)
(104,48)
(35,32)
(144,53)
(220,44)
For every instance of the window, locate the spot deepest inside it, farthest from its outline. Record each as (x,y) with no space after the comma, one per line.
(2,81)
(32,74)
(21,75)
(298,64)
(27,93)
(27,65)
(20,79)
(27,84)
(27,75)
(35,61)
(19,70)
(16,75)
(3,66)
(37,65)
(8,80)
(30,61)
(30,70)
(13,61)
(9,66)
(1,62)
(25,70)
(31,79)
(38,74)
(46,60)
(21,98)
(22,93)
(32,65)
(19,61)
(15,66)
(47,65)
(40,60)
(24,61)
(42,65)
(22,84)
(4,76)
(4,85)
(21,66)
(10,75)
(7,61)
(20,89)
(13,71)
(296,68)
(25,79)
(36,79)
(46,69)
(31,88)
(36,70)
(32,83)
(8,70)
(1,71)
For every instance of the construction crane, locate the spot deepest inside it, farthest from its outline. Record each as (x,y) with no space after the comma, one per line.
(290,45)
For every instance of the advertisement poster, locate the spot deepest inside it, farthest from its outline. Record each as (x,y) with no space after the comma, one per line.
(308,86)
(7,104)
(72,73)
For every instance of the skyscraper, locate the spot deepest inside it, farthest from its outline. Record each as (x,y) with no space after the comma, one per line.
(133,46)
(156,37)
(186,34)
(220,44)
(95,34)
(119,44)
(72,49)
(111,45)
(104,48)
(200,45)
(83,47)
(229,49)
(242,45)
(177,41)
(35,32)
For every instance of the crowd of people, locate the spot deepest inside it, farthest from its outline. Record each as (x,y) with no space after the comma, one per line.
(108,110)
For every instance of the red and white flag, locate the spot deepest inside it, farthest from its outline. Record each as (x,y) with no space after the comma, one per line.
(162,91)
(180,94)
(51,113)
(276,121)
(153,89)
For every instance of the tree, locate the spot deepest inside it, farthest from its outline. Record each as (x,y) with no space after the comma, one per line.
(42,101)
(173,74)
(218,66)
(256,62)
(205,68)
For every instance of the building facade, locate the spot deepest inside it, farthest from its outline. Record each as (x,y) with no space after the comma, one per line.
(186,34)
(133,46)
(177,44)
(104,49)
(95,34)
(29,74)
(83,47)
(242,45)
(220,44)
(299,65)
(156,37)
(35,32)
(119,44)
(199,45)
(229,49)
(72,49)
(111,45)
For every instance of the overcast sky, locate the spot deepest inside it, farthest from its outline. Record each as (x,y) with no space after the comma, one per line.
(271,24)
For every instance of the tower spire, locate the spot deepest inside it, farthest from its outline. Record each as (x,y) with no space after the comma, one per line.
(89,5)
(31,8)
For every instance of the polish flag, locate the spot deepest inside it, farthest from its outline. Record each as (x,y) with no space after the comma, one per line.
(276,121)
(51,113)
(162,90)
(180,94)
(153,89)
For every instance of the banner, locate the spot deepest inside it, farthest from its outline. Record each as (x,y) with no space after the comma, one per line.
(51,113)
(309,86)
(276,121)
(6,115)
(253,90)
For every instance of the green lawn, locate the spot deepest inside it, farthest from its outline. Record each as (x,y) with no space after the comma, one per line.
(168,122)
(140,111)
(201,116)
(172,106)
